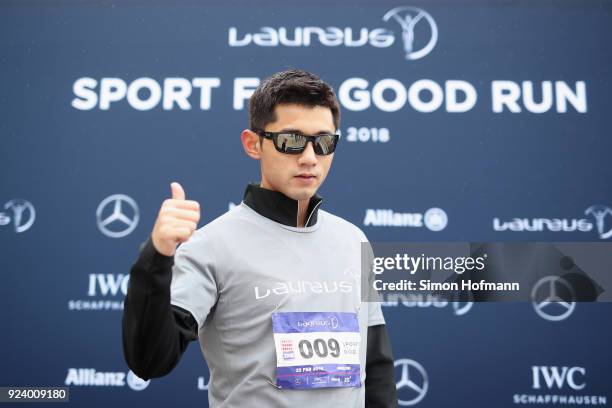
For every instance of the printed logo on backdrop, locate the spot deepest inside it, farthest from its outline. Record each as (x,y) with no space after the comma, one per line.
(559,384)
(461,308)
(425,301)
(104,292)
(117,215)
(601,215)
(202,384)
(553,298)
(89,377)
(412,384)
(410,19)
(434,219)
(354,94)
(602,223)
(418,33)
(136,383)
(20,212)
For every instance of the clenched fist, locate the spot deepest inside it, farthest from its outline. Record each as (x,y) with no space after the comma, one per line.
(177,220)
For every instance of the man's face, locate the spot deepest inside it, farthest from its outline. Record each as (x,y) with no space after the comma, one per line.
(298,176)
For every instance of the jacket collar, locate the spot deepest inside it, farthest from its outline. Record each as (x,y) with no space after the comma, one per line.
(278,207)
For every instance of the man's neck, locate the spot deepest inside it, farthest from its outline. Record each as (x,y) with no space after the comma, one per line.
(280,208)
(302,211)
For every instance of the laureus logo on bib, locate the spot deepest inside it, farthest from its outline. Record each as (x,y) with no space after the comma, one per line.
(558,385)
(331,322)
(599,220)
(415,27)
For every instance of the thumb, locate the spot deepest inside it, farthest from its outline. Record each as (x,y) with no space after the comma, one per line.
(177,191)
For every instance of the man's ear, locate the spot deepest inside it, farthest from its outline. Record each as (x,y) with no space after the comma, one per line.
(250,143)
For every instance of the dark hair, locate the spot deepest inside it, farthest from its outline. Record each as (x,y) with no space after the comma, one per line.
(290,86)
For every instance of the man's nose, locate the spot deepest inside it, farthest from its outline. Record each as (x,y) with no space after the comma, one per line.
(308,156)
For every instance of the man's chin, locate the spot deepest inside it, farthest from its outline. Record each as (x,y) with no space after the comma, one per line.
(301,194)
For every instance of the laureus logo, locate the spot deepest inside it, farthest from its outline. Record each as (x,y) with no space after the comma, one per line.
(23,214)
(601,215)
(600,212)
(419,30)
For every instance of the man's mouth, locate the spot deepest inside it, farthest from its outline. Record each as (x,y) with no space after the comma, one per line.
(306,176)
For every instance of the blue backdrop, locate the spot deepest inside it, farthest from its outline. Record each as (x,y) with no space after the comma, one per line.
(496,115)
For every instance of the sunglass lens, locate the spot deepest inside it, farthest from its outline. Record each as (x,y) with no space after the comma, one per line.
(325,145)
(290,143)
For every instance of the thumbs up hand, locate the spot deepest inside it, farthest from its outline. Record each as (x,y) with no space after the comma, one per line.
(177,220)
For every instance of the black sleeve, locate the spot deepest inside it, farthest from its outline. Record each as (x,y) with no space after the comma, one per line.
(380,391)
(155,333)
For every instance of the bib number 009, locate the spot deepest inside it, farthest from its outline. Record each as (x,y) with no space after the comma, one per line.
(319,347)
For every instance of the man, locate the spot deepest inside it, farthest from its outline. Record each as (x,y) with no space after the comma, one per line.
(271,288)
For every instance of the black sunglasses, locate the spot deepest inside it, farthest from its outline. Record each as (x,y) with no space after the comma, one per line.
(295,143)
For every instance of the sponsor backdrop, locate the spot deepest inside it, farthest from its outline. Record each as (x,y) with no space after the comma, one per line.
(462,121)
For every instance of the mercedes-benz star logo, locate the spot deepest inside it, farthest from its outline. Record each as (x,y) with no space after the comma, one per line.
(20,220)
(408,18)
(547,302)
(112,219)
(412,374)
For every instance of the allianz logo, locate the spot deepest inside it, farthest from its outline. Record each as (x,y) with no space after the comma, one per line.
(302,286)
(305,36)
(435,219)
(89,377)
(600,214)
